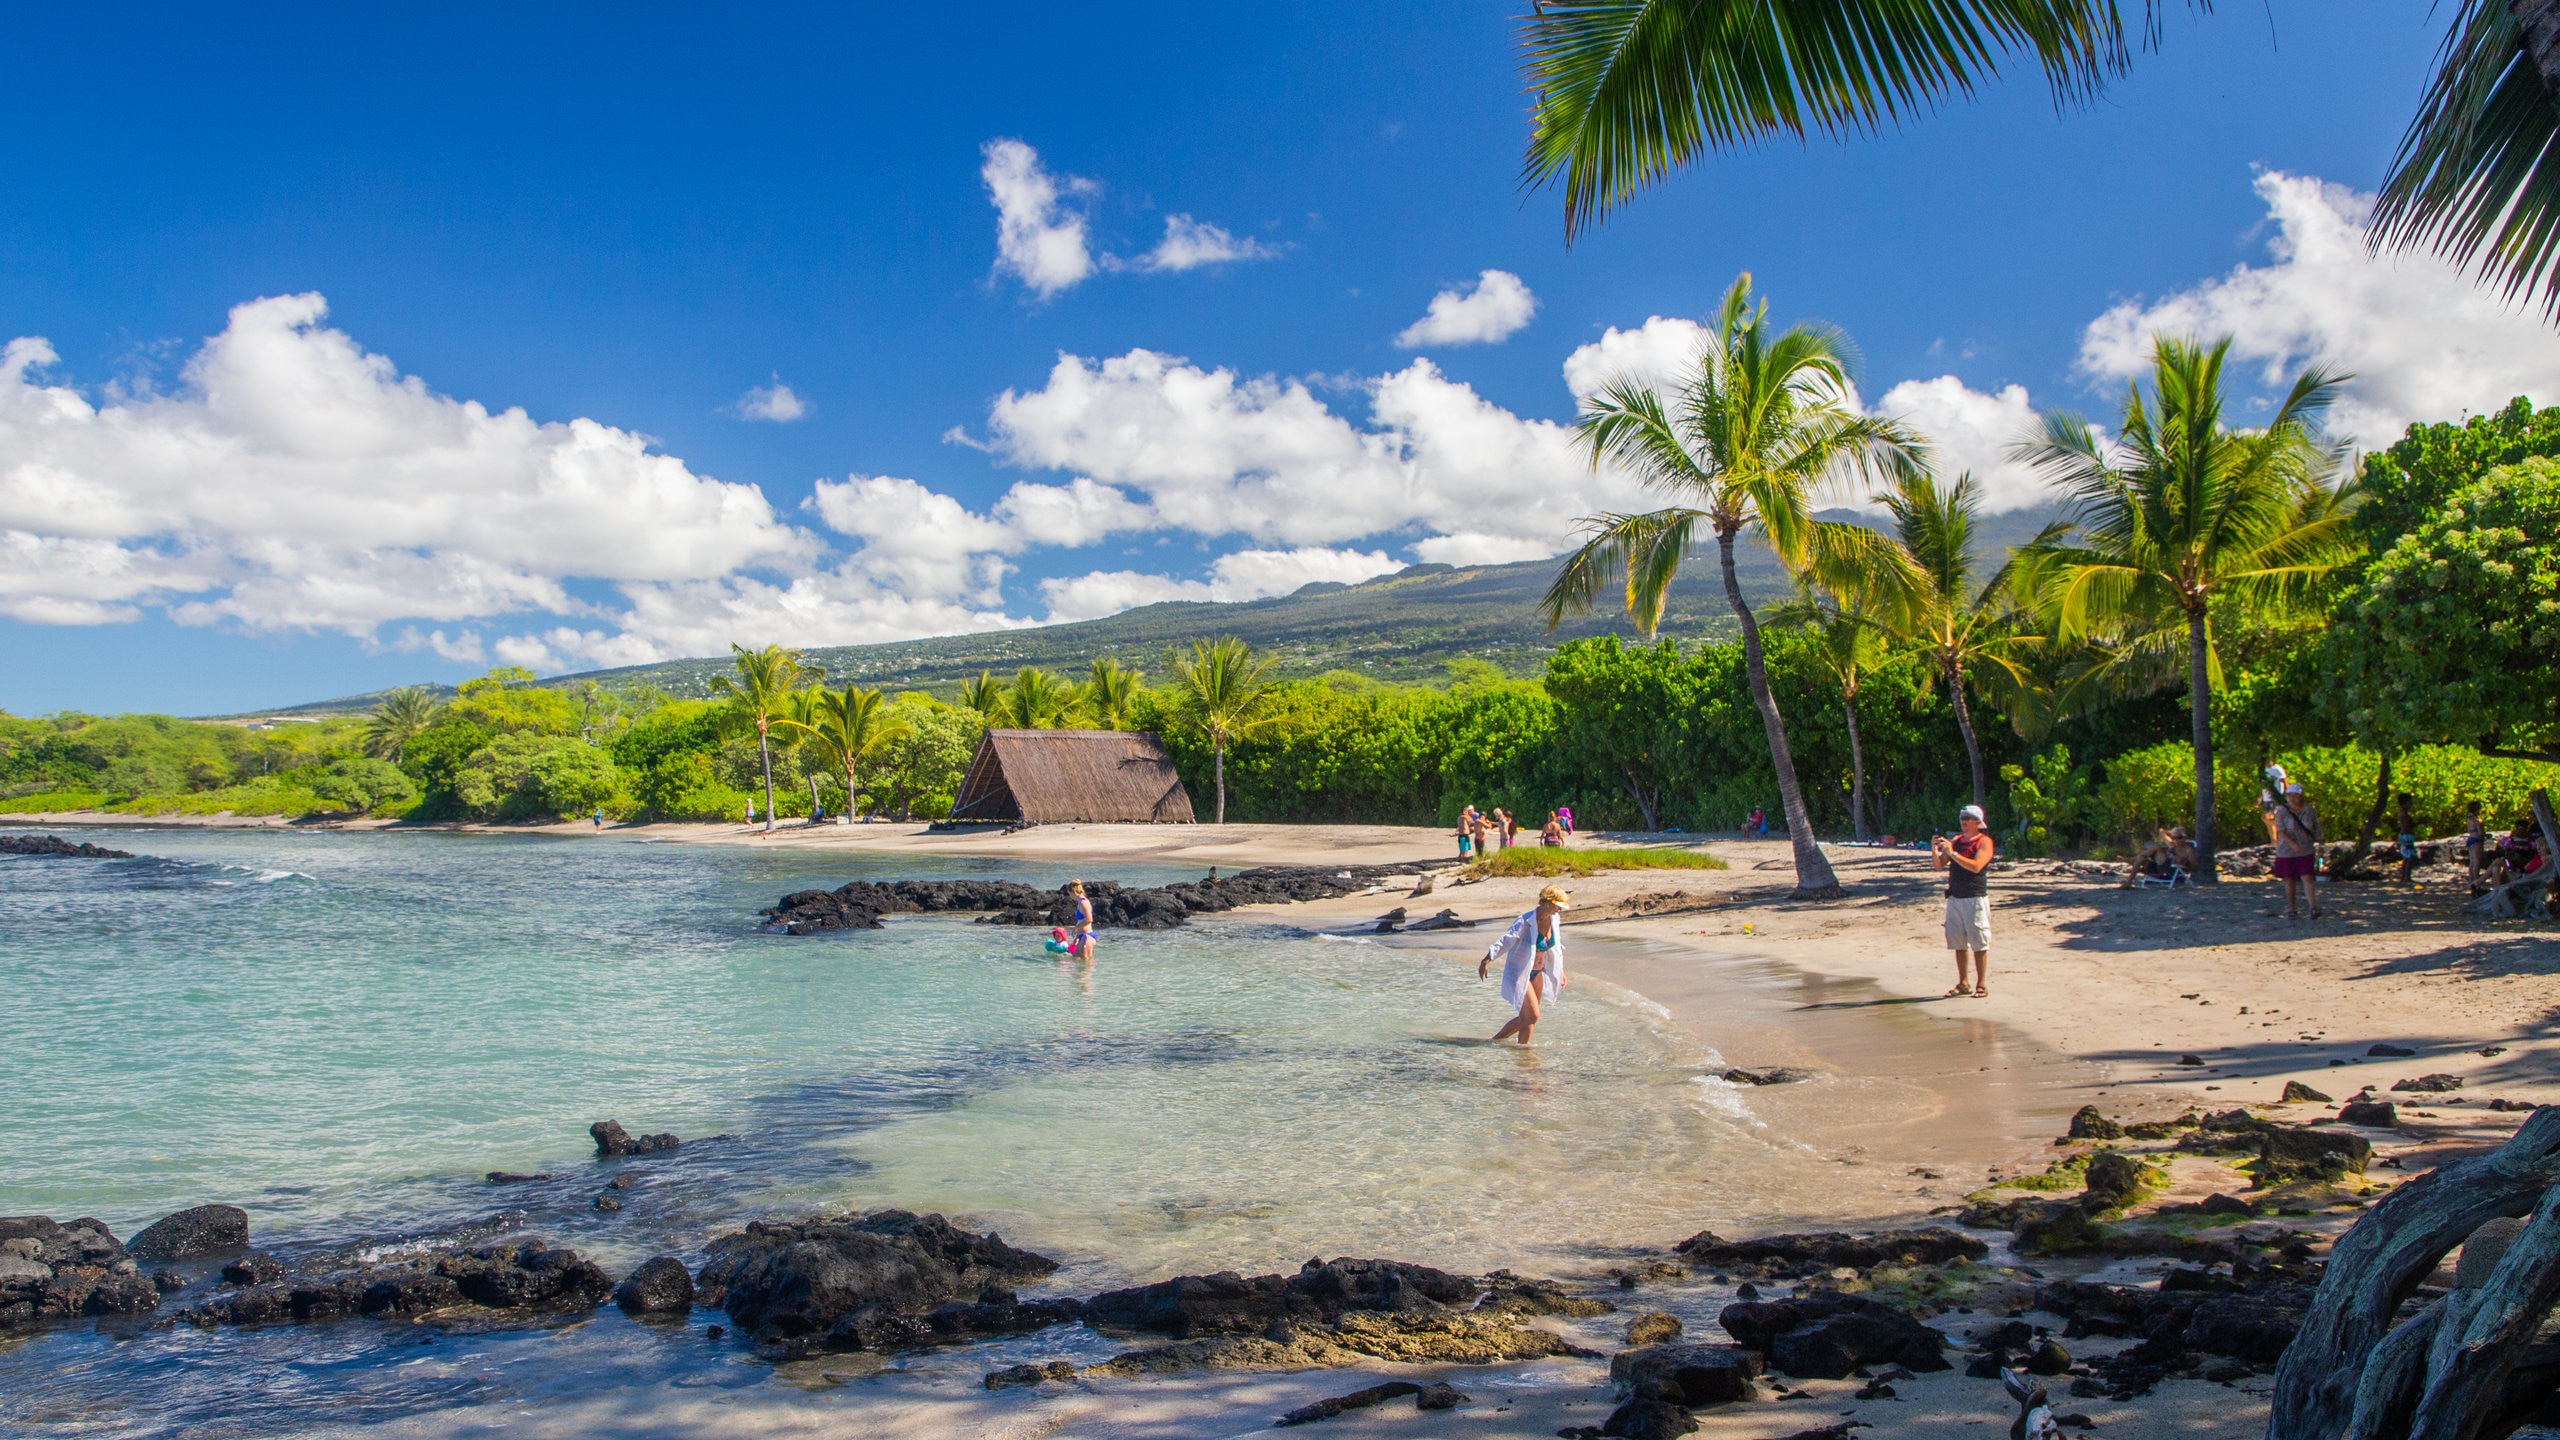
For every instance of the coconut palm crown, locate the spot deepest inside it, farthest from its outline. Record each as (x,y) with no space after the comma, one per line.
(849,727)
(1761,419)
(1224,687)
(760,696)
(2180,515)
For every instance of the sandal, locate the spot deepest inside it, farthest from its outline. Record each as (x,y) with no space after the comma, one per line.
(1981,992)
(1955,993)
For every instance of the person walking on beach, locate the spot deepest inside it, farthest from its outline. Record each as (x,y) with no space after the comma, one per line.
(2475,844)
(1080,942)
(2295,828)
(1532,956)
(2408,839)
(1467,835)
(1965,857)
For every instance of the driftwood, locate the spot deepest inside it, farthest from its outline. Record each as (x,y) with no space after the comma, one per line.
(2526,897)
(2464,1368)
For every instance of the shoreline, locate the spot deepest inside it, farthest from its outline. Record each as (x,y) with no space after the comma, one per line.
(2098,992)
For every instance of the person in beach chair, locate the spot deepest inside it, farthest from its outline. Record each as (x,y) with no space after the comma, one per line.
(2168,862)
(1532,956)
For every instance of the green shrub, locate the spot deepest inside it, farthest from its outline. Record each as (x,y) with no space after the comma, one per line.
(363,785)
(53,802)
(2156,786)
(526,776)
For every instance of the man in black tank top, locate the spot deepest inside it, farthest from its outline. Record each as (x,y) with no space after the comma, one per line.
(1966,857)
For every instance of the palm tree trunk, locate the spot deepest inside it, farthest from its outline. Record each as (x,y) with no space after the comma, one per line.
(764,750)
(1220,763)
(812,778)
(2343,864)
(1814,880)
(1972,746)
(2200,719)
(2538,22)
(1857,766)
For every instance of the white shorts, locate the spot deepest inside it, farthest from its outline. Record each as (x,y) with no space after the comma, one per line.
(1969,922)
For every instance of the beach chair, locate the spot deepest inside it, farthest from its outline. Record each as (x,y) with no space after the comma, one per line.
(2176,877)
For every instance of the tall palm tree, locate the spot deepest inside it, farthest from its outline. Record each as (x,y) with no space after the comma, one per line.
(1627,91)
(397,720)
(760,694)
(1851,642)
(1225,685)
(1036,700)
(1953,623)
(1113,689)
(2180,513)
(850,727)
(1762,418)
(983,693)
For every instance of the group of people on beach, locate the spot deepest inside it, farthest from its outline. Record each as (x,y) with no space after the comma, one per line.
(2293,827)
(1481,832)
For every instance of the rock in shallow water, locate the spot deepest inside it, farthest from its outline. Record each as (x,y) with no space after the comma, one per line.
(198,1234)
(58,848)
(1322,1291)
(1690,1375)
(659,1287)
(1805,1254)
(790,1286)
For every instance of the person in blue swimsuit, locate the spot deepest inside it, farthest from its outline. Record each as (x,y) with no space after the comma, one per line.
(1080,940)
(1532,955)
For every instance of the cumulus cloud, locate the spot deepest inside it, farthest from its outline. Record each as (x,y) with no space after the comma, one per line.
(774,402)
(1040,231)
(1492,312)
(1265,458)
(2425,342)
(1969,431)
(1242,575)
(1189,244)
(294,481)
(1661,351)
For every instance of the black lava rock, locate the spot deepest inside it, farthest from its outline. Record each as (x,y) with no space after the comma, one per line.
(198,1234)
(793,1286)
(1688,1375)
(1812,1253)
(659,1287)
(58,848)
(1322,1291)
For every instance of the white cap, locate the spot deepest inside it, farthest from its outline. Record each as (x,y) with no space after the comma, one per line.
(1972,811)
(2293,787)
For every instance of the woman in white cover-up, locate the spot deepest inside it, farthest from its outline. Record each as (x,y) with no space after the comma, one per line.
(1532,956)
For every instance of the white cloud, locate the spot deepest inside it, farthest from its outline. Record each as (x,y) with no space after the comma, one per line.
(294,481)
(1494,311)
(1189,244)
(1661,351)
(1242,575)
(774,402)
(1969,431)
(2425,342)
(1216,453)
(1040,236)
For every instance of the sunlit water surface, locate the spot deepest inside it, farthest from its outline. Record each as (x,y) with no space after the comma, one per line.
(344,1032)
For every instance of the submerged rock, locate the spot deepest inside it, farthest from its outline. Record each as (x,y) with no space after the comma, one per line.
(613,1142)
(1028,1374)
(1653,1328)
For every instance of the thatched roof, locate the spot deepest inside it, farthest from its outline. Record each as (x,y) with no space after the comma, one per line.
(1054,776)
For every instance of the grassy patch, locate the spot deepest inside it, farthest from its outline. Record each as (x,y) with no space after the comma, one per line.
(1547,861)
(53,801)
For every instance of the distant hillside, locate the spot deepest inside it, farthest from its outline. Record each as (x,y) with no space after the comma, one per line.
(1400,627)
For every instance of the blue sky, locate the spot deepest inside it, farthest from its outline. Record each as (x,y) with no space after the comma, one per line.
(634,216)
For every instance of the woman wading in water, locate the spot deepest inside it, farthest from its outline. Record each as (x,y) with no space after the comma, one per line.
(1080,936)
(1532,955)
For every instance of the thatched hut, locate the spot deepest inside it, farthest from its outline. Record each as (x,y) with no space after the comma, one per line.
(1052,776)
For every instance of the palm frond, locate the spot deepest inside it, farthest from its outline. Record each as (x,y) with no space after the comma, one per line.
(2477,179)
(1638,553)
(1626,91)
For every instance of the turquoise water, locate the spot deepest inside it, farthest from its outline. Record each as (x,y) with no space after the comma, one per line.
(343,1032)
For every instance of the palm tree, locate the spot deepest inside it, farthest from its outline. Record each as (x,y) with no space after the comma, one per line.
(1763,417)
(398,719)
(983,694)
(2180,514)
(1851,643)
(1626,91)
(760,694)
(849,727)
(1113,689)
(1950,621)
(1036,700)
(1224,690)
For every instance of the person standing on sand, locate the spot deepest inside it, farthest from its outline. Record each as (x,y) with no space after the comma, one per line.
(1532,955)
(1080,942)
(1965,857)
(2408,839)
(2295,828)
(1565,814)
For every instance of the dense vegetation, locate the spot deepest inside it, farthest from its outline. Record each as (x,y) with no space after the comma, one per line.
(2420,662)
